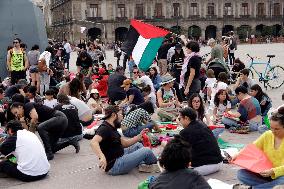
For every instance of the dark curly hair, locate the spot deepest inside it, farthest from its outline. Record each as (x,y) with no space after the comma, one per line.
(278,116)
(201,110)
(176,155)
(217,100)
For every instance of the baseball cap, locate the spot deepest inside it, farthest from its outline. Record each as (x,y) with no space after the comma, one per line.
(126,82)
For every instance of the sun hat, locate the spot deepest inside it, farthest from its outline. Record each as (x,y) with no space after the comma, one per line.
(94,91)
(167,79)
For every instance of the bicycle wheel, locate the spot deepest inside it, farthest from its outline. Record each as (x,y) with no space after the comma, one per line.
(275,77)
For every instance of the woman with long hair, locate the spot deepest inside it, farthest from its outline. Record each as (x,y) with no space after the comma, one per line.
(196,103)
(263,99)
(155,77)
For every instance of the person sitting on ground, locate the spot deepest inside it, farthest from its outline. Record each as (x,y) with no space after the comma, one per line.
(50,123)
(156,78)
(20,143)
(249,111)
(222,104)
(133,94)
(110,68)
(32,95)
(115,80)
(238,66)
(196,103)
(84,112)
(73,132)
(145,80)
(176,159)
(271,143)
(167,99)
(244,79)
(149,96)
(206,155)
(116,154)
(50,101)
(209,82)
(101,84)
(136,77)
(94,102)
(17,88)
(73,88)
(137,119)
(263,99)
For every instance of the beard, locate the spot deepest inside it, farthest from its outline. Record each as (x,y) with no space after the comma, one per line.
(117,123)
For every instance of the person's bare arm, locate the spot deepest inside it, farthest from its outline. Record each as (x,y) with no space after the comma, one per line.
(95,144)
(26,62)
(9,61)
(189,82)
(160,100)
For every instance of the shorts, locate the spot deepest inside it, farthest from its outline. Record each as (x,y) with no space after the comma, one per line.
(34,70)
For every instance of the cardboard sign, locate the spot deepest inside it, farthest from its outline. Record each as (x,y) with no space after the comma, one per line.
(253,159)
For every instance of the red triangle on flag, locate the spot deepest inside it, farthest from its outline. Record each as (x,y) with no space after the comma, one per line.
(148,31)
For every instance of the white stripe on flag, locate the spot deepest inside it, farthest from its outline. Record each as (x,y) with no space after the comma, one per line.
(139,49)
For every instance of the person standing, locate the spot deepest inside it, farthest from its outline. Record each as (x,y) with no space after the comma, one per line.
(177,61)
(232,47)
(17,62)
(45,72)
(68,50)
(162,57)
(33,57)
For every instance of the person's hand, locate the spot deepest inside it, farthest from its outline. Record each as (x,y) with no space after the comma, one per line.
(144,131)
(267,173)
(186,91)
(1,139)
(103,163)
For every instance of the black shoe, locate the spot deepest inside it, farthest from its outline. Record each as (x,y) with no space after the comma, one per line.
(49,156)
(76,145)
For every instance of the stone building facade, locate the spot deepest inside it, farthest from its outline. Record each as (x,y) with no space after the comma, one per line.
(109,19)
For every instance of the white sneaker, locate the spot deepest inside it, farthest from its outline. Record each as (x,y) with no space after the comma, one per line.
(154,168)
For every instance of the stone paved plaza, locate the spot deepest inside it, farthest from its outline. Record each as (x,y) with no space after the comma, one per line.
(74,171)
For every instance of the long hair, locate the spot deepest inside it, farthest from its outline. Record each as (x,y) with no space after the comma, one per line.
(155,74)
(217,100)
(259,93)
(201,110)
(75,87)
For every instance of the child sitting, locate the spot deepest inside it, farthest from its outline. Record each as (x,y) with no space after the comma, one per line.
(110,68)
(148,96)
(50,101)
(222,104)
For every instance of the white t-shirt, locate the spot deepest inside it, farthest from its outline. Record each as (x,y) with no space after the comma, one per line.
(222,108)
(83,108)
(50,103)
(67,48)
(215,87)
(210,81)
(30,154)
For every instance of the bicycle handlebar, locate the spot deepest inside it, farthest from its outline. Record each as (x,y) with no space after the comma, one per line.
(250,57)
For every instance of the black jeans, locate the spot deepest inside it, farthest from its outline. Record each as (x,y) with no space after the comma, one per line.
(16,76)
(11,170)
(51,130)
(231,58)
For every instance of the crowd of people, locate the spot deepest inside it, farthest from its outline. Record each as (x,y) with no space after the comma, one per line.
(173,91)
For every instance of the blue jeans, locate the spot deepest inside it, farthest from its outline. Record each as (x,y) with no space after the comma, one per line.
(133,157)
(253,126)
(216,132)
(257,181)
(133,131)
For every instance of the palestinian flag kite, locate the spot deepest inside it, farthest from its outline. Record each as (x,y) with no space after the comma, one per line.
(143,42)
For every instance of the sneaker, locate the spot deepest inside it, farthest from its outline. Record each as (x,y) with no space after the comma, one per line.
(154,168)
(241,186)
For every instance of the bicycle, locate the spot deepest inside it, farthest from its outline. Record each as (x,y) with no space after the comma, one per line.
(272,74)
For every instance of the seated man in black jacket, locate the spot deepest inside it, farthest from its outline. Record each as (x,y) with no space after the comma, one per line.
(175,159)
(206,155)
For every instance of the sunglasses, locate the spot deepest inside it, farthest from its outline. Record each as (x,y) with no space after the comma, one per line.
(135,72)
(15,42)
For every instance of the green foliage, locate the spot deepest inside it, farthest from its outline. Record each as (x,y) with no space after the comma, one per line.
(266,31)
(194,32)
(244,32)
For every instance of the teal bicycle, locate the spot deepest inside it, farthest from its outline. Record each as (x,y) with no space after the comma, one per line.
(273,76)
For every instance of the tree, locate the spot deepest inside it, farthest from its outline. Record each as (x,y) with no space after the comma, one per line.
(194,32)
(266,31)
(244,32)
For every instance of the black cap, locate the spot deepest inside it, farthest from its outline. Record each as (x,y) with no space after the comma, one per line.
(110,110)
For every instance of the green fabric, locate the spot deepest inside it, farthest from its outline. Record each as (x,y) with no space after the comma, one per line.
(223,144)
(144,184)
(266,121)
(149,53)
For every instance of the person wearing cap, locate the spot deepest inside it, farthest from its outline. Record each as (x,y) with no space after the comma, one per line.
(101,84)
(167,99)
(177,62)
(115,92)
(94,102)
(133,94)
(118,155)
(20,143)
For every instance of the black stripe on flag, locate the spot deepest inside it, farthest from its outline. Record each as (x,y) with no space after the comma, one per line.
(130,41)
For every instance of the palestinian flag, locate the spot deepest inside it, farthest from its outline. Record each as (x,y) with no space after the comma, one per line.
(142,43)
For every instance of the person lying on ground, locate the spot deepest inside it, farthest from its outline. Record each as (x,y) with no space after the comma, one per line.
(206,155)
(19,144)
(118,155)
(137,119)
(175,160)
(271,143)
